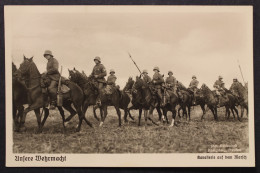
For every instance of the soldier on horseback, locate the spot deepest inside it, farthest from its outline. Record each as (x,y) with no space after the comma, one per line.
(171,81)
(157,82)
(54,75)
(194,87)
(219,86)
(99,73)
(234,85)
(146,78)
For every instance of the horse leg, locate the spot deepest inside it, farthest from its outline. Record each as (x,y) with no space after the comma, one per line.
(173,117)
(139,117)
(125,115)
(72,112)
(151,114)
(38,116)
(62,116)
(118,114)
(104,108)
(159,113)
(216,113)
(46,114)
(179,115)
(94,112)
(234,107)
(203,111)
(128,110)
(189,107)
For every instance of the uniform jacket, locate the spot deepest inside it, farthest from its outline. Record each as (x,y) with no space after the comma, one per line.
(234,84)
(157,77)
(219,84)
(194,84)
(147,78)
(111,80)
(171,80)
(53,69)
(99,70)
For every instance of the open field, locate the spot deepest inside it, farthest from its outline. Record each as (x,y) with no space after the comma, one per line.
(195,136)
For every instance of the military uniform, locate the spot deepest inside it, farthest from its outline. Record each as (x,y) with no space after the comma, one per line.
(146,78)
(194,85)
(100,71)
(171,81)
(219,86)
(158,81)
(111,80)
(54,75)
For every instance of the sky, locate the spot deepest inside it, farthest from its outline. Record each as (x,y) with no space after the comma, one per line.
(202,41)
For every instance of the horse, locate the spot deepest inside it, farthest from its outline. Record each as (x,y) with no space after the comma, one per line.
(81,80)
(229,102)
(19,98)
(138,100)
(30,72)
(91,93)
(241,92)
(185,101)
(210,100)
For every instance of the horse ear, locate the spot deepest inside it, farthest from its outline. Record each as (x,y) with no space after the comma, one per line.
(31,58)
(74,68)
(24,58)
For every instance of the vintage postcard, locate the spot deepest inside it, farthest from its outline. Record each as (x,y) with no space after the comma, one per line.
(129,86)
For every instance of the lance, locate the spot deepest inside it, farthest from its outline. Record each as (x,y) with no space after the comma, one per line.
(134,63)
(241,71)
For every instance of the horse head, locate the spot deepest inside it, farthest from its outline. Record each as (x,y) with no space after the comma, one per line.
(25,66)
(129,84)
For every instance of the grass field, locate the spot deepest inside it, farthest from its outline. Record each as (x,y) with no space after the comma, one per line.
(195,136)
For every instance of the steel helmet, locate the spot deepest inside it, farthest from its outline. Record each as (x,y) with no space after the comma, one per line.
(97,58)
(112,70)
(170,72)
(145,71)
(220,77)
(194,77)
(234,78)
(47,52)
(156,68)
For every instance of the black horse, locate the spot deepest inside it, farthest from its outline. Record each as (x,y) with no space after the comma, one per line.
(32,77)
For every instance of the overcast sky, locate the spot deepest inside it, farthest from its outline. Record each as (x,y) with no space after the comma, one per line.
(201,41)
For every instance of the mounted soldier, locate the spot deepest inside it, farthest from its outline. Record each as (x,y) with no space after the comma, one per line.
(53,75)
(194,87)
(99,73)
(146,78)
(219,86)
(111,83)
(234,85)
(171,81)
(157,82)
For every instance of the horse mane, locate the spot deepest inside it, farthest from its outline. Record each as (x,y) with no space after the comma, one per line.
(14,68)
(129,84)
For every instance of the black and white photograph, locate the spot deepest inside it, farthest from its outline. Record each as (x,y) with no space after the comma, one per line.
(135,86)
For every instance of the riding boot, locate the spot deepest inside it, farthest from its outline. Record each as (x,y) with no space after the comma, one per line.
(218,97)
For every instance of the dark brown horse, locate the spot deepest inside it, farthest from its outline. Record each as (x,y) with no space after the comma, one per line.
(139,101)
(81,80)
(91,93)
(228,101)
(32,77)
(210,100)
(19,98)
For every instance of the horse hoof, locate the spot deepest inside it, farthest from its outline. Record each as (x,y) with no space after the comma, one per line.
(101,124)
(66,123)
(171,125)
(39,131)
(77,129)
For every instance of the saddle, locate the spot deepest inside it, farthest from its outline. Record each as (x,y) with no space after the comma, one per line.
(46,81)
